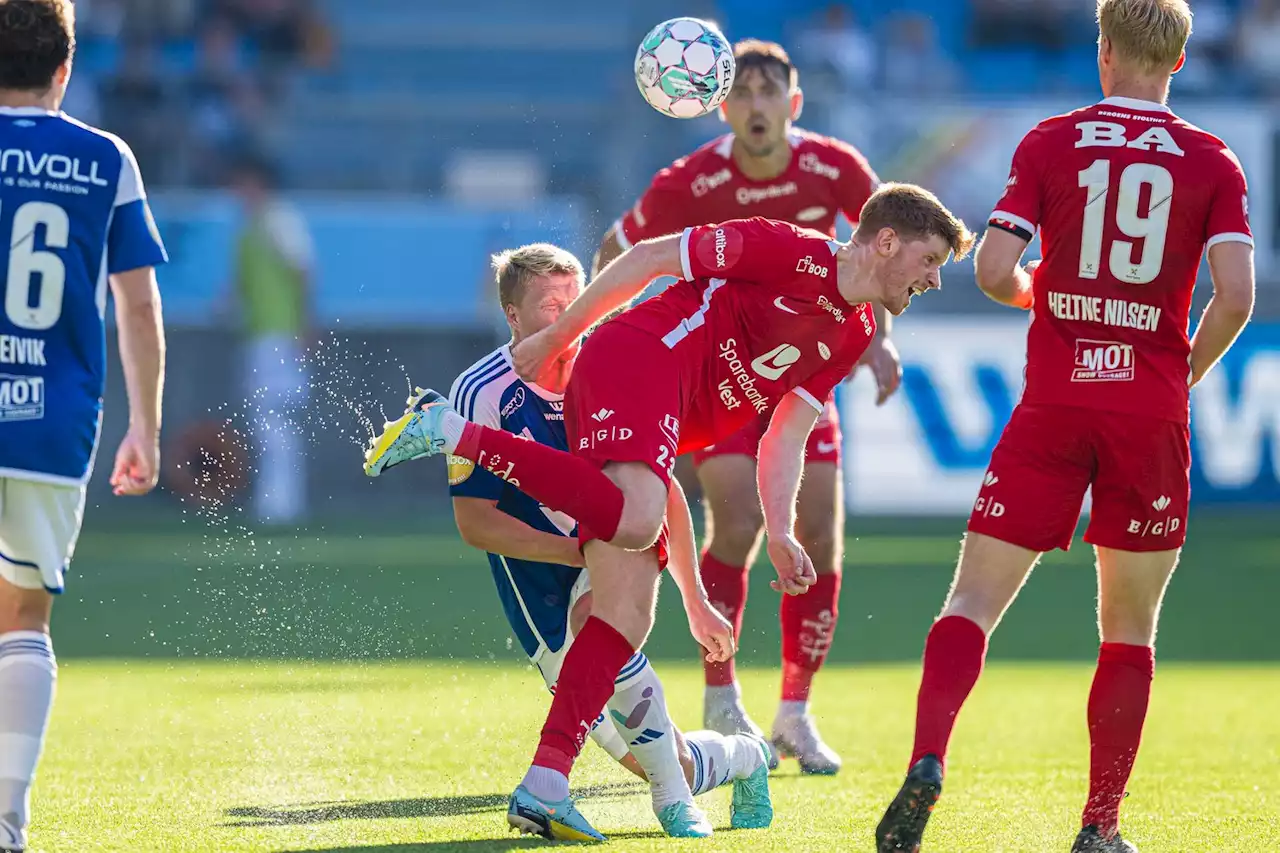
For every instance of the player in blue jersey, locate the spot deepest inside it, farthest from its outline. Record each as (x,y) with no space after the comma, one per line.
(537,567)
(73,220)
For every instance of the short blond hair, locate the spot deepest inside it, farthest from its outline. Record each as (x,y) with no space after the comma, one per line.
(1149,33)
(913,213)
(514,269)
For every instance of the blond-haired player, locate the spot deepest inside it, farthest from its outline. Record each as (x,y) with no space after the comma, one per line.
(1129,196)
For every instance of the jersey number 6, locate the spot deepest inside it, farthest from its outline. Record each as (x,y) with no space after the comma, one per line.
(26,261)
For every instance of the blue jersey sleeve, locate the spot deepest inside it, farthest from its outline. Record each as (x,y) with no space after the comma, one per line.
(133,240)
(465,479)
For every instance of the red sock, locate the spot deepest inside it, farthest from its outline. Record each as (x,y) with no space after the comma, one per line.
(584,686)
(808,625)
(727,589)
(1117,710)
(557,478)
(953,657)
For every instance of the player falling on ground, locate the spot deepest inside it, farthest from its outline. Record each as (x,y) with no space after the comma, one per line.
(1127,197)
(767,167)
(533,553)
(74,219)
(748,330)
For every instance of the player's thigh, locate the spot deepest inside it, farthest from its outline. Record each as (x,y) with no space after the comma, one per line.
(644,504)
(1143,485)
(820,515)
(39,526)
(624,588)
(988,576)
(1033,490)
(1131,587)
(734,517)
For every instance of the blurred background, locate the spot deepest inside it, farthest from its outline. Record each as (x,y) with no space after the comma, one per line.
(378,151)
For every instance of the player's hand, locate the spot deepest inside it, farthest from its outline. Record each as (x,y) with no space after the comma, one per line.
(137,463)
(886,366)
(794,568)
(535,357)
(712,631)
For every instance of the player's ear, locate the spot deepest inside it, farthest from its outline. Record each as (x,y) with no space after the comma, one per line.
(513,318)
(797,103)
(1182,60)
(887,242)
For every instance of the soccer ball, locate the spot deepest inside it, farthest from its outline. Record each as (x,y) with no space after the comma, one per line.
(685,67)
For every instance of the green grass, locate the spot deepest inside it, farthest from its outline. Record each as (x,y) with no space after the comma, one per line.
(277,756)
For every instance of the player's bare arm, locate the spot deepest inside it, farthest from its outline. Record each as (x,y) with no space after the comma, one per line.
(1231,267)
(482,525)
(712,631)
(999,272)
(778,473)
(620,282)
(142,351)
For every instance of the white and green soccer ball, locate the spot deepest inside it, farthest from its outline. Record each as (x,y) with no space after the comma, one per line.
(685,67)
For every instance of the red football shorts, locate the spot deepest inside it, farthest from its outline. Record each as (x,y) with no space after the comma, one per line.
(1048,456)
(823,445)
(624,403)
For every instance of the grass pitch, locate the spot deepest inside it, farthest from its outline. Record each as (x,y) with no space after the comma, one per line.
(271,756)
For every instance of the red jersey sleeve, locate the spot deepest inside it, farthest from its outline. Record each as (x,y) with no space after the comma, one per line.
(817,388)
(857,182)
(663,209)
(1018,210)
(1229,210)
(760,250)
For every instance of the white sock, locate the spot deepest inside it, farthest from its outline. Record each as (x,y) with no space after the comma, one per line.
(639,710)
(28,672)
(718,760)
(546,784)
(451,426)
(793,708)
(723,694)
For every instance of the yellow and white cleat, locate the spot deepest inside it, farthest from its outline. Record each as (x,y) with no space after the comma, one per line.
(414,435)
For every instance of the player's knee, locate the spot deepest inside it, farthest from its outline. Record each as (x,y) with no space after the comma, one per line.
(24,609)
(644,506)
(736,527)
(820,543)
(637,534)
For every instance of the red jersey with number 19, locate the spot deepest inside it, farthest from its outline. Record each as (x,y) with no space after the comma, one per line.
(1127,197)
(757,315)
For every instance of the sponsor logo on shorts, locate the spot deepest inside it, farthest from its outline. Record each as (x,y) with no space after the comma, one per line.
(516,401)
(987,506)
(719,249)
(600,436)
(1103,361)
(1164,525)
(776,361)
(460,470)
(602,415)
(826,447)
(21,397)
(990,479)
(806,265)
(671,426)
(831,308)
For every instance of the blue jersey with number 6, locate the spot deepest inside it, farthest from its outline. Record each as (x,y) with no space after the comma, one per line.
(72,212)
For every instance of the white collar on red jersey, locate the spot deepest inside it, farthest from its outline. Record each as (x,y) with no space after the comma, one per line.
(1137,104)
(724,148)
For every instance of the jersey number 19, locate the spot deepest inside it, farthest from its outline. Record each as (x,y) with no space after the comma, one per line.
(1152,228)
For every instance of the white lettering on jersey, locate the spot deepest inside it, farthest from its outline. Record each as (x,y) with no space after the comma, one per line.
(776,361)
(21,397)
(18,350)
(1103,361)
(747,382)
(827,305)
(750,195)
(1109,312)
(806,264)
(56,166)
(703,184)
(1108,134)
(810,163)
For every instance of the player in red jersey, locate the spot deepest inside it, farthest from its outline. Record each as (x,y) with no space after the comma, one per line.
(1127,197)
(767,318)
(767,167)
